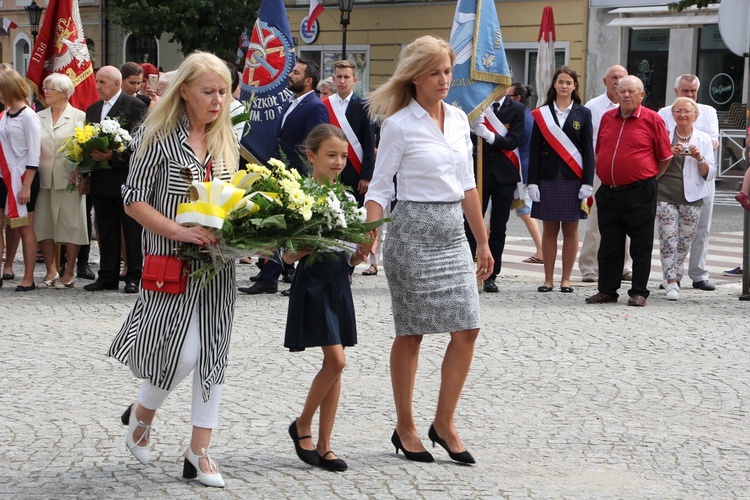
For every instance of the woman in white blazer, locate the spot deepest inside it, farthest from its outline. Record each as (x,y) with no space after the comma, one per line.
(682,188)
(60,212)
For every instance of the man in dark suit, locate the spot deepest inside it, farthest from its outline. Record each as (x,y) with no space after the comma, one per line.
(501,174)
(106,186)
(347,111)
(299,116)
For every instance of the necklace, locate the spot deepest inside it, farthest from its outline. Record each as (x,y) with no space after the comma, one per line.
(684,139)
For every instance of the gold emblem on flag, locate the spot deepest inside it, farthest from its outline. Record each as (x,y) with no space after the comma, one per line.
(576,125)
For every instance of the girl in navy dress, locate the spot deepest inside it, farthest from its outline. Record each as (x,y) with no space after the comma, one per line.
(321,313)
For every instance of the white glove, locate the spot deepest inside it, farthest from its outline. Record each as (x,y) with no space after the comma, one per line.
(482,131)
(534,193)
(585,192)
(476,121)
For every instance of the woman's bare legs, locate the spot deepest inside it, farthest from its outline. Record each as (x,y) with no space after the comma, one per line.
(28,238)
(456,364)
(549,249)
(48,252)
(404,361)
(71,253)
(569,250)
(324,394)
(12,240)
(201,440)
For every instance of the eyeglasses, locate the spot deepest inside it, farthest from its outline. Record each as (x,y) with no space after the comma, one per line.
(49,89)
(683,111)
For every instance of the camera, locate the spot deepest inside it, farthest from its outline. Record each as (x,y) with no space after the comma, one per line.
(685,151)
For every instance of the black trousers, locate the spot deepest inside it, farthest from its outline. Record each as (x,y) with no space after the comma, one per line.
(110,215)
(628,210)
(502,198)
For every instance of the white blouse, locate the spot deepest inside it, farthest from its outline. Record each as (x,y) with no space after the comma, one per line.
(429,165)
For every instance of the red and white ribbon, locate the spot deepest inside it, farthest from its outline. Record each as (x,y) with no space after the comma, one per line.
(337,116)
(493,125)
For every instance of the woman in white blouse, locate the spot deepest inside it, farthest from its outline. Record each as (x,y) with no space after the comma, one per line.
(425,144)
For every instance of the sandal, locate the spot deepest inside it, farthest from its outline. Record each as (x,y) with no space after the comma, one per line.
(533,260)
(371,271)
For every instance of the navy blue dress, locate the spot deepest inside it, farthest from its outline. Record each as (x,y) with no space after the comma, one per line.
(321,308)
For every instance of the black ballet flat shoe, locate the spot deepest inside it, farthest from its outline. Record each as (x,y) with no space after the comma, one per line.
(310,457)
(464,457)
(334,464)
(566,289)
(545,289)
(414,456)
(24,288)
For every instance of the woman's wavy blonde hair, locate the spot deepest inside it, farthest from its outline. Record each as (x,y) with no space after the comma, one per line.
(165,117)
(416,60)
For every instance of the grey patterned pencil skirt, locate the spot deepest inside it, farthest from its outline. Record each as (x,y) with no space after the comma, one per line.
(430,270)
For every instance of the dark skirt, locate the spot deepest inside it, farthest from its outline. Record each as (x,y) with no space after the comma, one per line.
(321,309)
(559,200)
(430,271)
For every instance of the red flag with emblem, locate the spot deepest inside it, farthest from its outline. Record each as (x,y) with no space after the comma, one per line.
(61,48)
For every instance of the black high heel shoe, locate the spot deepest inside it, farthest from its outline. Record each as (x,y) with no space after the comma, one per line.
(310,457)
(464,457)
(414,456)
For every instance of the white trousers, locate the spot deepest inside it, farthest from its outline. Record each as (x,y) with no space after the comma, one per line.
(203,414)
(699,249)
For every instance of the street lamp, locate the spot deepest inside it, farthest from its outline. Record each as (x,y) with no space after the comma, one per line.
(345,6)
(35,15)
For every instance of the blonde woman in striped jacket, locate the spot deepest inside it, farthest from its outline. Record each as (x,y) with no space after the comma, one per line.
(188,136)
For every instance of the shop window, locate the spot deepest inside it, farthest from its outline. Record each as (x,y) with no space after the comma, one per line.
(648,55)
(719,70)
(21,55)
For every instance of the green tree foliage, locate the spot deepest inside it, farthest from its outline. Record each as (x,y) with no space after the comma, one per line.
(209,25)
(684,4)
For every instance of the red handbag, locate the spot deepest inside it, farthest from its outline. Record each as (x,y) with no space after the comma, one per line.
(162,273)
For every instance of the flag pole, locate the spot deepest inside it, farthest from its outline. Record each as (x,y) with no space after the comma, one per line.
(480,187)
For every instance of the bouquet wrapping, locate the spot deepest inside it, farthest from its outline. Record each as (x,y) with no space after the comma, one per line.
(107,135)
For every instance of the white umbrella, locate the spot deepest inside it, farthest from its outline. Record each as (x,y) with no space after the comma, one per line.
(545,60)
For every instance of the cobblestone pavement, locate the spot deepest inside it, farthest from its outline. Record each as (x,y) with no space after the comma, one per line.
(564,399)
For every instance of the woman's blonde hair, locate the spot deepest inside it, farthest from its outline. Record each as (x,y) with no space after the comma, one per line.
(13,86)
(416,60)
(689,102)
(165,117)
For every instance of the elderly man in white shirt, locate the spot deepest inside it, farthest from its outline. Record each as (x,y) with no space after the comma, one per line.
(587,260)
(687,85)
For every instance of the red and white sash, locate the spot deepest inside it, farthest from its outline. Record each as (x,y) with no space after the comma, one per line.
(559,141)
(13,178)
(337,116)
(493,125)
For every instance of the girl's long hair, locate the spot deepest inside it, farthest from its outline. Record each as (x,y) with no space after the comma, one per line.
(165,117)
(415,61)
(552,93)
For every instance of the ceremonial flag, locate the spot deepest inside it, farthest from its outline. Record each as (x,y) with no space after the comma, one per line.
(315,10)
(8,24)
(61,48)
(481,73)
(268,63)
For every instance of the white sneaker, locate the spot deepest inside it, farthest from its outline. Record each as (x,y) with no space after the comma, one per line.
(673,291)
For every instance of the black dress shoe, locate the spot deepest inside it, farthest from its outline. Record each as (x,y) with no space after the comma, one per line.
(287,292)
(490,286)
(601,298)
(414,456)
(9,277)
(22,288)
(704,285)
(464,457)
(334,464)
(260,287)
(255,278)
(287,275)
(310,457)
(130,287)
(98,286)
(85,272)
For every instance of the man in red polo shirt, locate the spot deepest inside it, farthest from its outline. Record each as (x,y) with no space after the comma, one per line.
(633,150)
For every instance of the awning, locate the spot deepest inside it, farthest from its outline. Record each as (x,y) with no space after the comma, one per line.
(661,17)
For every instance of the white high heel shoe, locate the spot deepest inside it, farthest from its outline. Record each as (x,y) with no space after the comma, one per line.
(192,469)
(141,453)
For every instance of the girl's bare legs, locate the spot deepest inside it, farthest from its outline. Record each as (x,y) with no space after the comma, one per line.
(12,240)
(549,249)
(536,234)
(324,394)
(404,361)
(569,250)
(28,237)
(456,364)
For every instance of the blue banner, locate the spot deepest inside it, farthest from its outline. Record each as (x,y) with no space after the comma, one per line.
(481,73)
(268,63)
